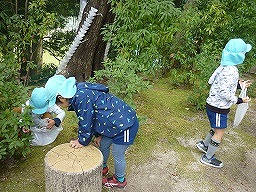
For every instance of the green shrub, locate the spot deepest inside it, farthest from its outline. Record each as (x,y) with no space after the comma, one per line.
(122,78)
(205,64)
(142,32)
(47,71)
(13,142)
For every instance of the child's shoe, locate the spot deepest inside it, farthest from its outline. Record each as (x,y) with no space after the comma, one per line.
(105,171)
(200,145)
(113,182)
(212,161)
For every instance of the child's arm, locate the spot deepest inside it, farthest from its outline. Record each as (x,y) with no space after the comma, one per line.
(85,114)
(58,111)
(97,141)
(58,119)
(51,123)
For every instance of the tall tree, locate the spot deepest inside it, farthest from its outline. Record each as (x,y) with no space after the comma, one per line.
(89,55)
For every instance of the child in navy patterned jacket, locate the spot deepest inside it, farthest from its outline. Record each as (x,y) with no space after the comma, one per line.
(110,119)
(224,83)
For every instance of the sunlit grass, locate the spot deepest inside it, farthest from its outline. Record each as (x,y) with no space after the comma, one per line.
(48,58)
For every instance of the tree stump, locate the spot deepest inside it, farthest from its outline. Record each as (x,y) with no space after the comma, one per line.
(73,170)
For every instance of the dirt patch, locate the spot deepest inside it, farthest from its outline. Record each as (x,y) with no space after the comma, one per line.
(158,173)
(163,173)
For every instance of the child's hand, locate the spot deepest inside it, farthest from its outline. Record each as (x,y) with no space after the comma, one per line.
(25,130)
(75,144)
(97,141)
(246,99)
(51,123)
(246,83)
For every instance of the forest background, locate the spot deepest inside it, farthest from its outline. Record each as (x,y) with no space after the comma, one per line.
(149,39)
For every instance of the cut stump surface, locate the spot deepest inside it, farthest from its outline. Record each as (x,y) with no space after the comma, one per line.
(69,169)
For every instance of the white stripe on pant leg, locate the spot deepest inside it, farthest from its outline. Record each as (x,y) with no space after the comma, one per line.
(217,120)
(128,135)
(124,136)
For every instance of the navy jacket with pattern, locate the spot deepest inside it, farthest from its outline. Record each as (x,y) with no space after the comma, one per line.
(100,112)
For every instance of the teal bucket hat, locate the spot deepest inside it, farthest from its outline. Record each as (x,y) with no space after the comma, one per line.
(52,85)
(68,88)
(234,52)
(39,100)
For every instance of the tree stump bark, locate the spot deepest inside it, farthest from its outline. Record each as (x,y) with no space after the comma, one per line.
(73,170)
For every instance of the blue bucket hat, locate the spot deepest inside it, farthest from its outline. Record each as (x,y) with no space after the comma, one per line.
(234,52)
(39,100)
(68,88)
(52,85)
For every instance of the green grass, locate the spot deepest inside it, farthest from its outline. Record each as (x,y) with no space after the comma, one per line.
(165,117)
(168,118)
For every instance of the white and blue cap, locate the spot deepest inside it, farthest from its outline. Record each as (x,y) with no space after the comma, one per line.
(39,100)
(68,88)
(52,85)
(234,52)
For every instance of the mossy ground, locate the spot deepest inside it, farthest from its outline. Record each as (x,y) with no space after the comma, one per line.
(165,144)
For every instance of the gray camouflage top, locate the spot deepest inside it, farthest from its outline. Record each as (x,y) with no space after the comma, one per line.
(223,87)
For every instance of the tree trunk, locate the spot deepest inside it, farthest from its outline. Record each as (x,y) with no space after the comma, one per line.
(37,57)
(89,54)
(68,169)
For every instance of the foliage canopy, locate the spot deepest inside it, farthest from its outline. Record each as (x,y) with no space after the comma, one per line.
(184,43)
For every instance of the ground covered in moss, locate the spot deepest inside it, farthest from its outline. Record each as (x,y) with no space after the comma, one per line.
(164,156)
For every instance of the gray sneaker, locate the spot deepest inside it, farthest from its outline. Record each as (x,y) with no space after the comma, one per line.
(200,145)
(212,161)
